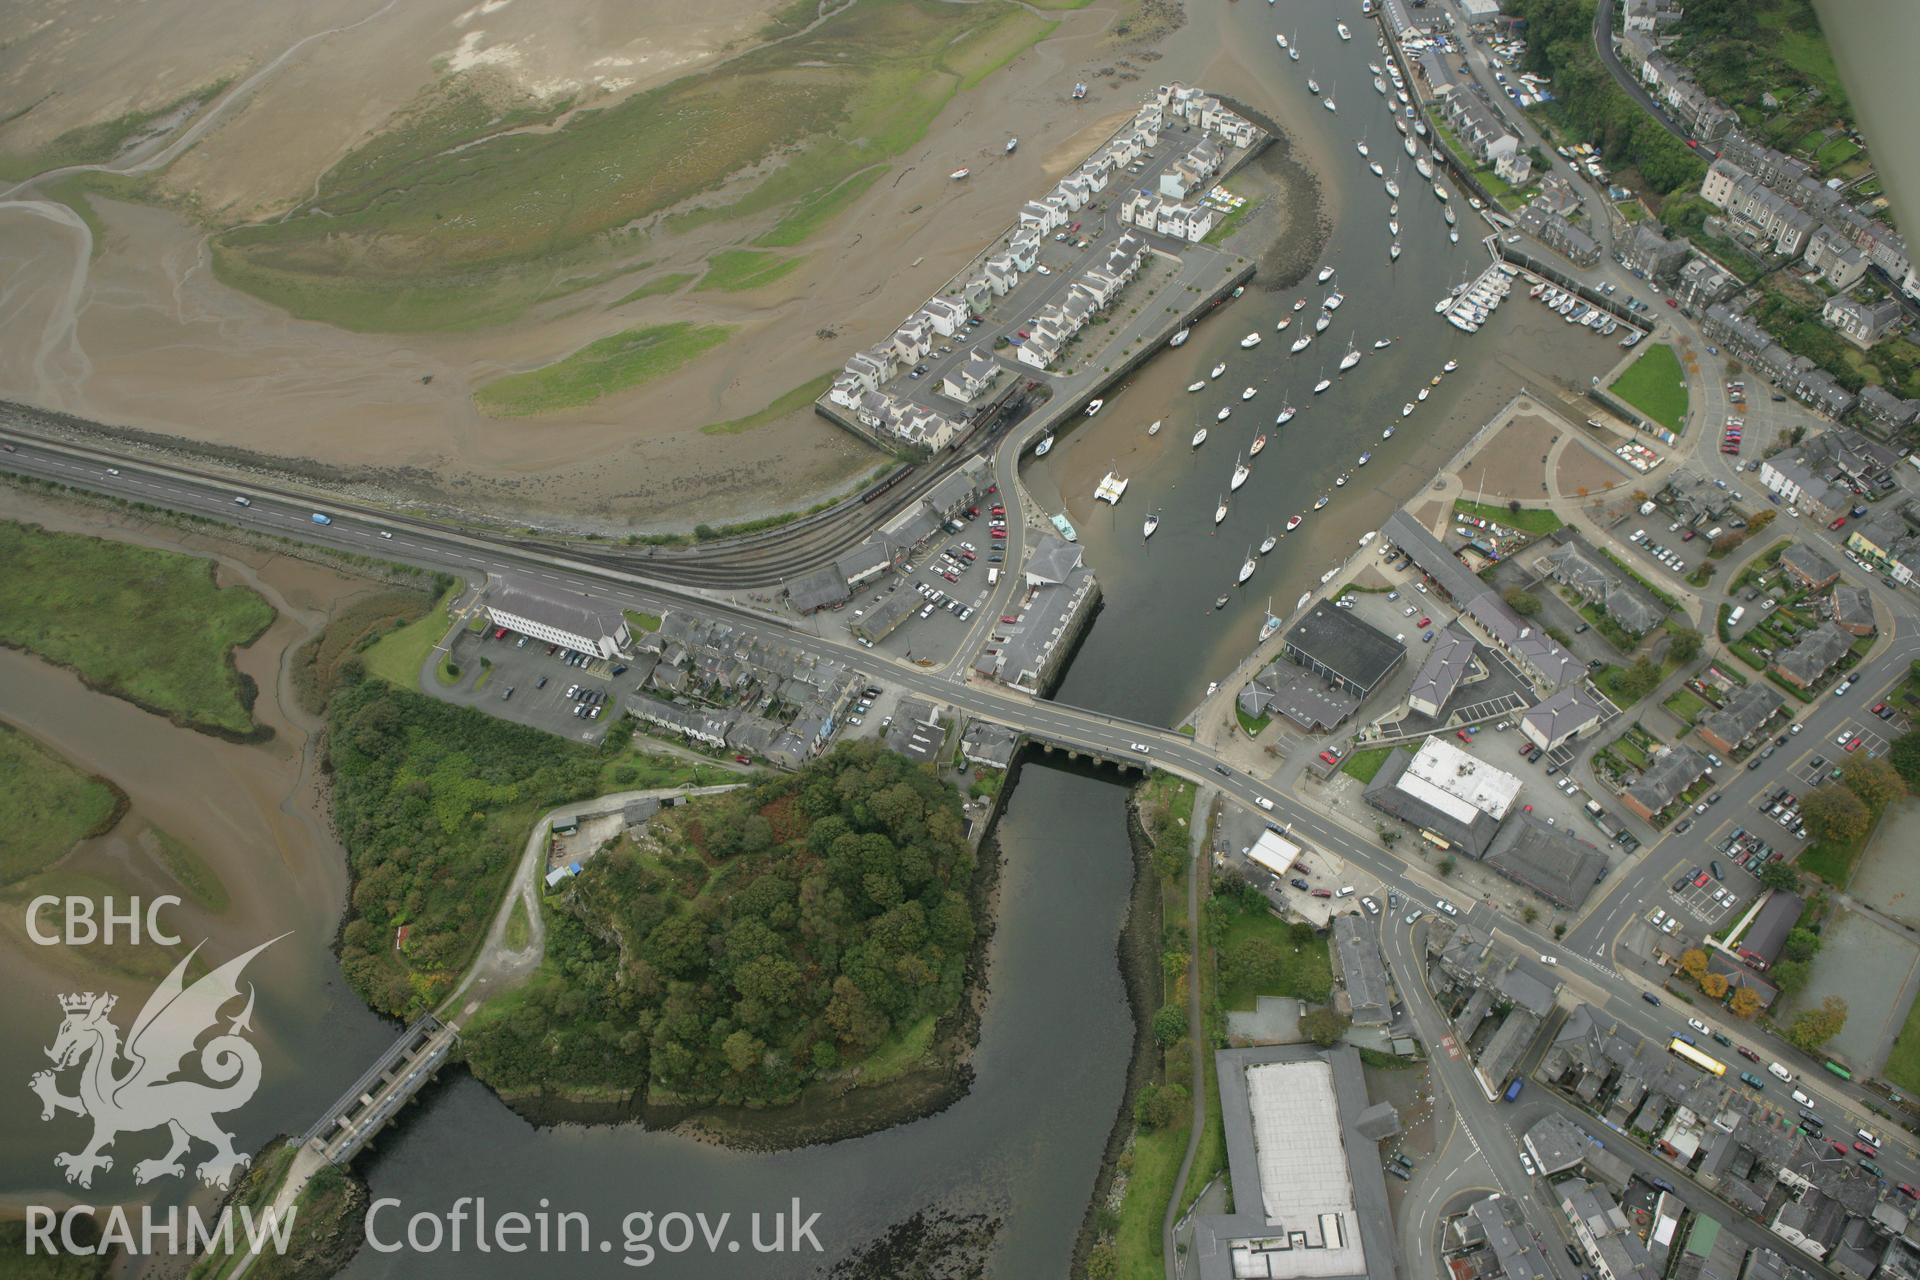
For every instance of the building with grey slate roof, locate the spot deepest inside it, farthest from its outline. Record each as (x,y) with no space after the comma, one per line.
(1059,601)
(1575,564)
(1710,1252)
(1604,1235)
(1852,610)
(1449,660)
(1760,945)
(1535,652)
(1806,566)
(1551,861)
(1812,656)
(1280,688)
(1562,717)
(1741,719)
(1362,970)
(1495,1226)
(1648,248)
(883,619)
(988,744)
(1556,1144)
(705,725)
(1309,1196)
(1661,783)
(1346,652)
(918,731)
(821,589)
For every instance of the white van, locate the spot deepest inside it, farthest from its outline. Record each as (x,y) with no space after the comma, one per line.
(1779,1072)
(993,576)
(1345,891)
(1264,803)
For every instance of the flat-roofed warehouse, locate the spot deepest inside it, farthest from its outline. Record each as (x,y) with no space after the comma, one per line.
(1334,644)
(1309,1198)
(1454,797)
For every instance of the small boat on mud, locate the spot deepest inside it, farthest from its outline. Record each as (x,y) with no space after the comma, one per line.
(1293,522)
(1179,339)
(1045,446)
(1197,386)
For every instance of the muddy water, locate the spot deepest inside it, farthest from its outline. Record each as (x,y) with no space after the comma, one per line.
(251,812)
(1159,640)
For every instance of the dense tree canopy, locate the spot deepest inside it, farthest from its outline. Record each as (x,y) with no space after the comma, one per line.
(432,802)
(748,943)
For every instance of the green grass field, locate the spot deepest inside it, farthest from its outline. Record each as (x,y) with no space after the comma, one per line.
(145,625)
(794,401)
(398,656)
(46,807)
(598,369)
(1365,764)
(1655,386)
(738,270)
(448,219)
(1308,972)
(1903,1063)
(1136,1237)
(1527,519)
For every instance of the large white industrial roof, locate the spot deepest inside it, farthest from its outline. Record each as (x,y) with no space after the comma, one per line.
(1273,853)
(1306,1188)
(1459,783)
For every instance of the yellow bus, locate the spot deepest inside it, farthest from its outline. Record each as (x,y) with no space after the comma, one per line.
(1687,1053)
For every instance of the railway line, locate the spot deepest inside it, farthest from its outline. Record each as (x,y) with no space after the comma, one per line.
(762,559)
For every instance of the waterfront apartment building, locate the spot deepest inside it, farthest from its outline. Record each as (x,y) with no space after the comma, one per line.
(581,625)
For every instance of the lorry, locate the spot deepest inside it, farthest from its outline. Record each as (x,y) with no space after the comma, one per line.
(318,518)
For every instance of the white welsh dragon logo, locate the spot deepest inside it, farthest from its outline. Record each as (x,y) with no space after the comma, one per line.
(146,1095)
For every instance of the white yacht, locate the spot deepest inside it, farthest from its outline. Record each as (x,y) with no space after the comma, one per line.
(1393,251)
(1199,437)
(1322,501)
(1328,103)
(1361,147)
(1042,450)
(1196,386)
(1293,53)
(1286,416)
(1424,393)
(1323,384)
(1409,145)
(1387,433)
(1449,366)
(1350,359)
(1110,489)
(1280,38)
(1146,530)
(1379,86)
(1218,369)
(1321,321)
(1248,393)
(1378,172)
(1250,341)
(1326,274)
(1259,443)
(1013,144)
(1448,215)
(1341,27)
(1246,566)
(1180,338)
(1381,344)
(1269,543)
(1220,512)
(1226,411)
(1313,86)
(1334,300)
(1240,473)
(1340,480)
(1154,430)
(1426,170)
(1293,522)
(1453,237)
(1302,342)
(1406,410)
(1094,407)
(1393,225)
(1441,192)
(1420,127)
(1375,68)
(1393,187)
(1299,304)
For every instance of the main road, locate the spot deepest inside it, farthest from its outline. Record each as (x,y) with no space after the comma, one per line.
(381,536)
